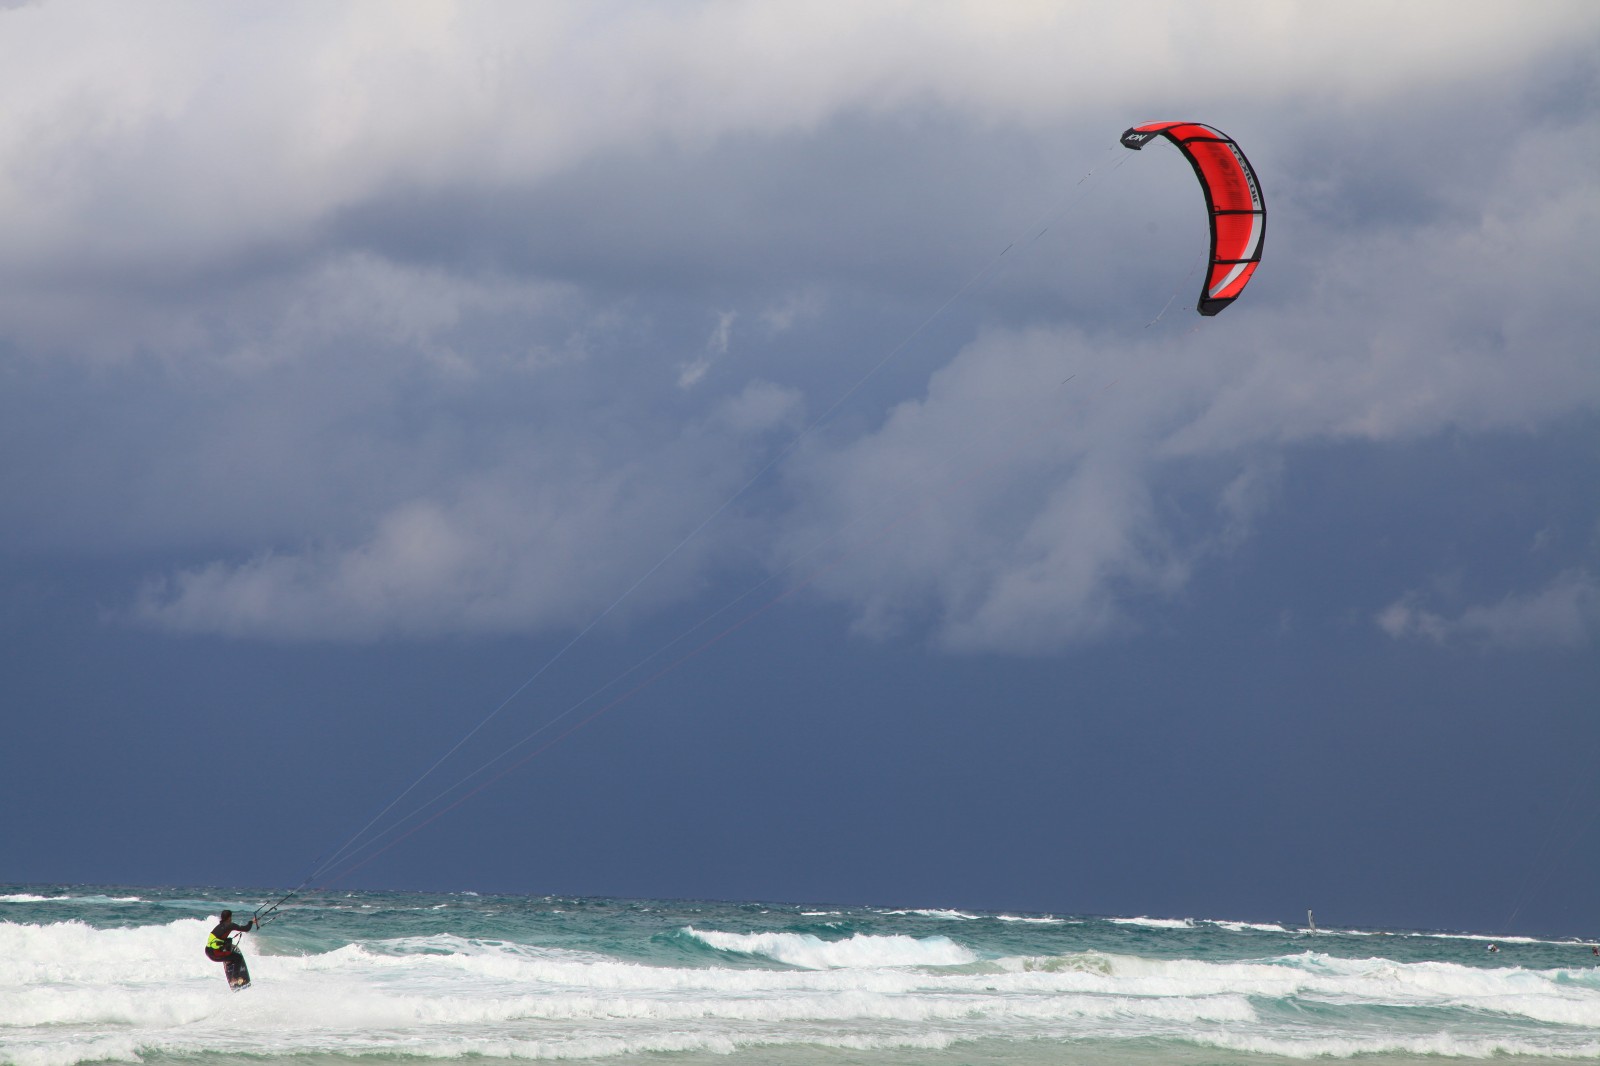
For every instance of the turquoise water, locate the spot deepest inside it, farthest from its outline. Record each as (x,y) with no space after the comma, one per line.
(117,974)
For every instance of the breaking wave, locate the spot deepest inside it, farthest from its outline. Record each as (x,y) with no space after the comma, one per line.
(857,952)
(395,986)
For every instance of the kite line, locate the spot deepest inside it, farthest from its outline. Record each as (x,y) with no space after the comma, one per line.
(363,844)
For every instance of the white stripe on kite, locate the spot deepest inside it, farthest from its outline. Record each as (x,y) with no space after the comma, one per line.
(1249,250)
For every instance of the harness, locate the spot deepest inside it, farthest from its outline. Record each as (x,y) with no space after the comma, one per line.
(220,949)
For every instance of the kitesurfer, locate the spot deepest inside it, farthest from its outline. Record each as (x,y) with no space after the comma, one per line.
(218,947)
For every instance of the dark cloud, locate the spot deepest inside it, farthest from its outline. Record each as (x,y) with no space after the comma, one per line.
(482,363)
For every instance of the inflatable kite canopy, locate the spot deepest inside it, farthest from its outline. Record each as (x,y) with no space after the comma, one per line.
(1233,198)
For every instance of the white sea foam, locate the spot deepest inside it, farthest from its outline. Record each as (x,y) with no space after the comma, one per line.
(1434,1045)
(1482,938)
(70,994)
(963,916)
(859,951)
(28,897)
(1240,927)
(1156,923)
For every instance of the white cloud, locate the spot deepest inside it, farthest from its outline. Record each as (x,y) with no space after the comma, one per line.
(414,281)
(1470,321)
(171,133)
(543,540)
(795,307)
(690,373)
(762,407)
(1563,614)
(343,300)
(1011,507)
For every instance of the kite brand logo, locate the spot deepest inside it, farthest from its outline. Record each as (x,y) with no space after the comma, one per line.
(1249,176)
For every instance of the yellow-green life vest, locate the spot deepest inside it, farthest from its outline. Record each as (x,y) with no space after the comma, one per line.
(213,943)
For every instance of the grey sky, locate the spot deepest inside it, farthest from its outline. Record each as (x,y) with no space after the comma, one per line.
(452,322)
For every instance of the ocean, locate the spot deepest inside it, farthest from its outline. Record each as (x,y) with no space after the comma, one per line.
(116,974)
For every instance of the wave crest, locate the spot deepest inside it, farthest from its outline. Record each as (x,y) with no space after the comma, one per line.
(860,951)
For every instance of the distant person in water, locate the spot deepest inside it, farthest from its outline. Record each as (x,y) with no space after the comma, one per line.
(1494,947)
(218,947)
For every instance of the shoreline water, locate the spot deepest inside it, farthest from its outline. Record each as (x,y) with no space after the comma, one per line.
(115,974)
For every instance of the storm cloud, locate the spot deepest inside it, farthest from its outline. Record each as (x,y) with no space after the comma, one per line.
(425,319)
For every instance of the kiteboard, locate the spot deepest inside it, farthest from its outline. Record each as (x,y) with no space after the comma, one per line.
(237,972)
